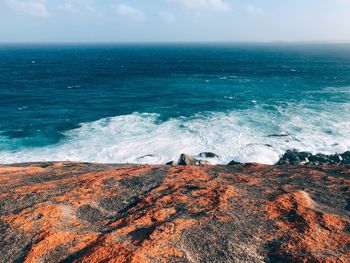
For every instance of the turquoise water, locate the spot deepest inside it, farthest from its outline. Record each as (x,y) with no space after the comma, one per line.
(117,103)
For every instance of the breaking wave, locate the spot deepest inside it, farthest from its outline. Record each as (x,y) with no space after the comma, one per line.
(260,134)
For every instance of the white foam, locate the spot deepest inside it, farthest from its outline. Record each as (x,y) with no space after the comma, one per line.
(240,135)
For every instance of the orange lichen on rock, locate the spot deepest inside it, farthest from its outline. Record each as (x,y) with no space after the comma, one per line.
(76,212)
(309,233)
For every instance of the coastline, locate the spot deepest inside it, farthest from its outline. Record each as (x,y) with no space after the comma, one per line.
(66,211)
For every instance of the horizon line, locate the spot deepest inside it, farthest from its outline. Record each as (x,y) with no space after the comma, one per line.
(174,42)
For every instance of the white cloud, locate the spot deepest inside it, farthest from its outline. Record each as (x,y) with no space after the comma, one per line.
(31,7)
(254,10)
(130,12)
(166,16)
(78,6)
(214,5)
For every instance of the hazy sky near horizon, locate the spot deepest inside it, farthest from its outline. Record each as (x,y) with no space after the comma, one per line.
(173,20)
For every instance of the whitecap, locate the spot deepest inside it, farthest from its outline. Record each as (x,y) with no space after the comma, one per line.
(238,135)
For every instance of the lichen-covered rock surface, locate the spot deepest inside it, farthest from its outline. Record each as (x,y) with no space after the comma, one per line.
(77,212)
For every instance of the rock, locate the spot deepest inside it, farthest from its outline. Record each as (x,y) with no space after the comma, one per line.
(278,135)
(132,213)
(145,156)
(321,159)
(345,157)
(336,158)
(302,158)
(187,160)
(208,155)
(294,157)
(171,163)
(204,162)
(233,163)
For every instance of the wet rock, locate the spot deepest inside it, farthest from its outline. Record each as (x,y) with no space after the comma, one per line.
(345,157)
(278,135)
(171,163)
(321,159)
(146,156)
(295,158)
(302,158)
(208,155)
(233,162)
(187,160)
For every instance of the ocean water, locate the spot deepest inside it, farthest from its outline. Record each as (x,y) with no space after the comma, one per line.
(150,103)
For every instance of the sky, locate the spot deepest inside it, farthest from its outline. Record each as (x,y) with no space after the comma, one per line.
(94,21)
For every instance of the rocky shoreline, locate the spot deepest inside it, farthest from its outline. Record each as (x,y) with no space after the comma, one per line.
(292,157)
(81,212)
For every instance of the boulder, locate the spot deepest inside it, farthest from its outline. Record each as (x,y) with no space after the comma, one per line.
(233,163)
(189,160)
(208,155)
(345,157)
(171,163)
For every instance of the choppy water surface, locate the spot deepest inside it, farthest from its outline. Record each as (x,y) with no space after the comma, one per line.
(109,103)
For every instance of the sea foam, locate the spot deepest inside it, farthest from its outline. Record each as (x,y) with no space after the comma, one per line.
(259,134)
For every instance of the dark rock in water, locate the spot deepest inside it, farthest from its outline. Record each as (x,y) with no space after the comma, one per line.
(336,158)
(208,155)
(345,157)
(294,157)
(301,158)
(321,159)
(187,160)
(278,135)
(233,163)
(147,155)
(171,163)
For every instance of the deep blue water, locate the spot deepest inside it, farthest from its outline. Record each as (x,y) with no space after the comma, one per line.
(114,103)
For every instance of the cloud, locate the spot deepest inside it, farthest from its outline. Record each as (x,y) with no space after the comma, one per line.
(31,7)
(213,5)
(78,6)
(130,12)
(254,10)
(166,16)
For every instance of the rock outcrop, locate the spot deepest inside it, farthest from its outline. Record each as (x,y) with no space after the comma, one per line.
(79,212)
(306,158)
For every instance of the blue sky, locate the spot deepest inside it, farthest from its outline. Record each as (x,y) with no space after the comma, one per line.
(173,20)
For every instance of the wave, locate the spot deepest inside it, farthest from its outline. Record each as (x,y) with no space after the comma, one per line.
(260,134)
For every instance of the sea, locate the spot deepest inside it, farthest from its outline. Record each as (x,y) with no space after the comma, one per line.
(148,103)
